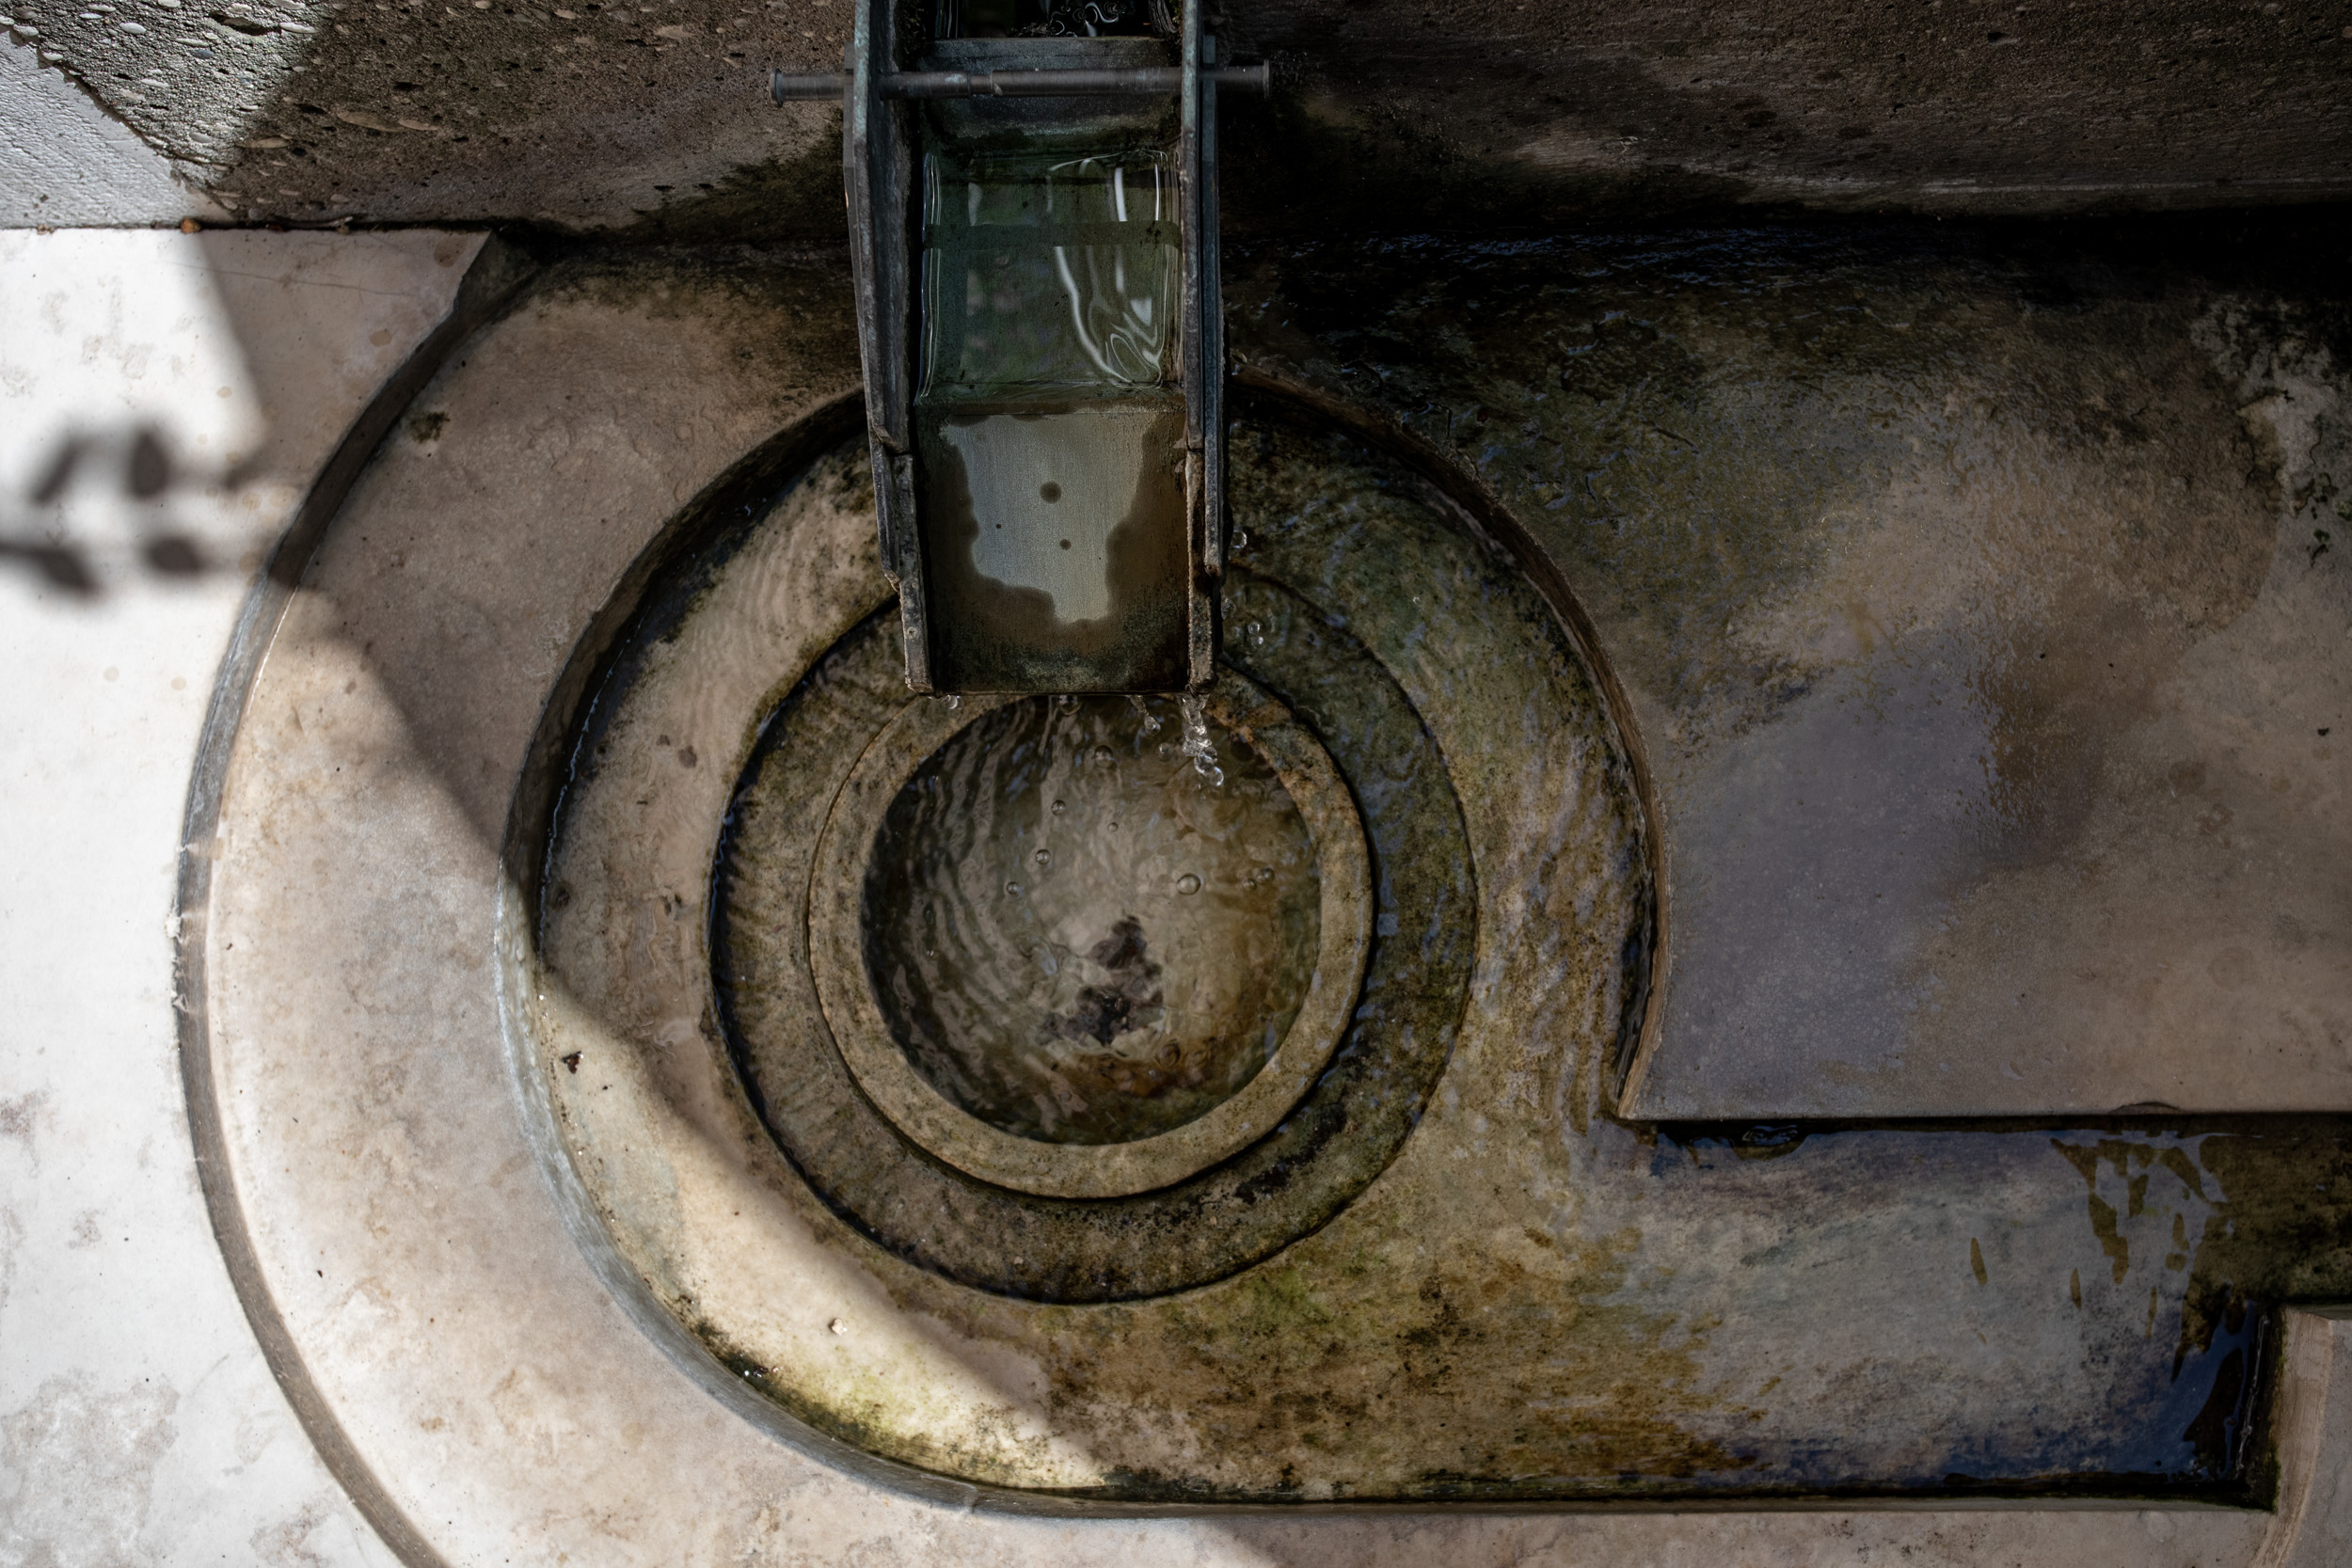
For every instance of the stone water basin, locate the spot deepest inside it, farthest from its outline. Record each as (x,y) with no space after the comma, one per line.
(665,799)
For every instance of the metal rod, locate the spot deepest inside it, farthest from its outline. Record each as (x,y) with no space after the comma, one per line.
(1131,82)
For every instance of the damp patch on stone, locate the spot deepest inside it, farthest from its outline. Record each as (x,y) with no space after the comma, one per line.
(1164,1066)
(800,1049)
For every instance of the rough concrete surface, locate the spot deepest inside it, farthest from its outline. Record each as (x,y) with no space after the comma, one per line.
(1830,502)
(165,401)
(597,116)
(68,163)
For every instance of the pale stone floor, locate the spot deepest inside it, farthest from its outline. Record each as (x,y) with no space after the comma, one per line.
(138,1419)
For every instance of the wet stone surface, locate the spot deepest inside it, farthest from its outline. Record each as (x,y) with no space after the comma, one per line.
(1531,1300)
(1966,585)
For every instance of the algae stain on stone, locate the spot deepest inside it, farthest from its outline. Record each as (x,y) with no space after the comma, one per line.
(2257,1214)
(2102,1217)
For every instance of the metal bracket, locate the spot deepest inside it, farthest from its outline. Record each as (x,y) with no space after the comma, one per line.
(1134,82)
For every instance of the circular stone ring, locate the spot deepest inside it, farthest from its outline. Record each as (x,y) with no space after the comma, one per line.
(953,1134)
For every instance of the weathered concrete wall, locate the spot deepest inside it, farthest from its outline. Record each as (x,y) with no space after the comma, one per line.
(64,162)
(652,117)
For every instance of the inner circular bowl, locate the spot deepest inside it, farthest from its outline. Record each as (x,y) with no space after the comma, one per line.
(1081,929)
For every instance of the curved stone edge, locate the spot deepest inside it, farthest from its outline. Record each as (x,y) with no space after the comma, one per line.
(1095,1170)
(497,281)
(2311,1422)
(1637,1046)
(492,284)
(965,1229)
(534,805)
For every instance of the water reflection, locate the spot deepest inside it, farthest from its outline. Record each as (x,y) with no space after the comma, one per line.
(1044,270)
(1048,425)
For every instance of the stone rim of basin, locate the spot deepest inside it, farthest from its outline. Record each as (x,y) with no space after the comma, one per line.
(917,1107)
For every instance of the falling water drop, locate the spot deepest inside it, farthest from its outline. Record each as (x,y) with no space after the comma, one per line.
(1196,744)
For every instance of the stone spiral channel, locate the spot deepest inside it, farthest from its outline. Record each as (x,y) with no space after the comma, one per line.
(709,765)
(1334,1141)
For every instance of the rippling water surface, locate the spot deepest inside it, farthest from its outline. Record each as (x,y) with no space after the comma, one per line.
(1081,931)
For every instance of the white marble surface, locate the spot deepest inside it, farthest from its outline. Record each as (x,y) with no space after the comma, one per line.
(138,1421)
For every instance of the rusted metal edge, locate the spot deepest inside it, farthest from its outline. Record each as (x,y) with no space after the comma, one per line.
(877,165)
(1194,172)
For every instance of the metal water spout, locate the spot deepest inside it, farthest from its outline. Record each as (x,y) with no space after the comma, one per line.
(1032,196)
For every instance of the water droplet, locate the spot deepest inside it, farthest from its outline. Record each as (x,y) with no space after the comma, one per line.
(1059,807)
(1241,541)
(1044,858)
(1254,635)
(1013,889)
(954,702)
(839,1326)
(1196,745)
(1188,883)
(1102,756)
